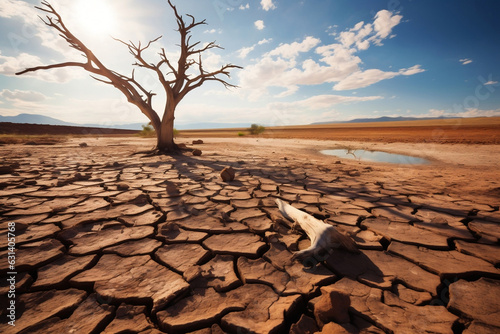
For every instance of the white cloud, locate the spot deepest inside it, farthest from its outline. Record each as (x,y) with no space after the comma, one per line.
(362,79)
(491,82)
(243,52)
(259,24)
(211,61)
(318,108)
(362,35)
(465,61)
(478,113)
(267,5)
(10,65)
(471,112)
(32,27)
(384,22)
(22,95)
(292,50)
(243,7)
(324,101)
(412,70)
(366,78)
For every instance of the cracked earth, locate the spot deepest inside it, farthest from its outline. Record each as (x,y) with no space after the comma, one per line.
(115,242)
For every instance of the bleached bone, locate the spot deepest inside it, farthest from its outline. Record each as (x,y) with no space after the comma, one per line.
(324,237)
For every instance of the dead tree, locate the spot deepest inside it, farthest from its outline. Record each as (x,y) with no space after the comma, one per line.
(174,77)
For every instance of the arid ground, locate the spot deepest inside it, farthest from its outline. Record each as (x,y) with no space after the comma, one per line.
(108,240)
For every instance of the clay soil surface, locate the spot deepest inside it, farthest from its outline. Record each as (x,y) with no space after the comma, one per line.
(108,240)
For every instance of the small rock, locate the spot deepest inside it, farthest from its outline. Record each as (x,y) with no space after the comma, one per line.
(227,174)
(332,306)
(197,142)
(83,145)
(122,186)
(197,152)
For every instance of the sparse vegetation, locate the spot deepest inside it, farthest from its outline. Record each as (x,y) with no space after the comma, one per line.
(147,131)
(241,134)
(256,129)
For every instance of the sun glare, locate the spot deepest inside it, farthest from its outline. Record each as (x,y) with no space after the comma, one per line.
(96,16)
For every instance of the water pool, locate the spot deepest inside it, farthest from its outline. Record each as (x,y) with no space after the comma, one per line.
(377,156)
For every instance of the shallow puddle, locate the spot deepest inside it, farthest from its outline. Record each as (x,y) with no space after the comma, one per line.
(377,156)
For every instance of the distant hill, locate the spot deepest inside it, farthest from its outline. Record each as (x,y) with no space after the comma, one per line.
(34,119)
(384,119)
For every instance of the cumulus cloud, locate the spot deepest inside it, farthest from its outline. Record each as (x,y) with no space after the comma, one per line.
(243,52)
(307,62)
(384,22)
(362,35)
(292,50)
(465,61)
(259,24)
(22,95)
(243,7)
(267,5)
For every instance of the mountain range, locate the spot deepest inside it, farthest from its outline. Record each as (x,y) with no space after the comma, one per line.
(384,119)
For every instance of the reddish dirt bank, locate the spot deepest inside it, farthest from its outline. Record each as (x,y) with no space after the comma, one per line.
(44,129)
(457,131)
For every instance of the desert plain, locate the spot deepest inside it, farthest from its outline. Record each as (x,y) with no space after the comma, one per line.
(111,240)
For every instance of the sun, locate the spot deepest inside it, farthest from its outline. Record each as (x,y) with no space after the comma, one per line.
(96,16)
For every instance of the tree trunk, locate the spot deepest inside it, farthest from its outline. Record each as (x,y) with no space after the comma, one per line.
(165,135)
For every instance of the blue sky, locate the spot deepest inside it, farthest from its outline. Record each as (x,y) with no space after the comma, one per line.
(304,61)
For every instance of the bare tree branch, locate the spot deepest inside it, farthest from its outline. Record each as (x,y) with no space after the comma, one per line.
(68,64)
